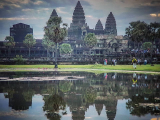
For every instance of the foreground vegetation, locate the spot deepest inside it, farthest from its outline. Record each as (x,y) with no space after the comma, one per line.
(155,68)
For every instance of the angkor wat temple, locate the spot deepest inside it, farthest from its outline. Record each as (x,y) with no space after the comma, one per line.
(78,28)
(109,44)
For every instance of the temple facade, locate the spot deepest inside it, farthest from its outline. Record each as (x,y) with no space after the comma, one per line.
(108,45)
(78,28)
(108,41)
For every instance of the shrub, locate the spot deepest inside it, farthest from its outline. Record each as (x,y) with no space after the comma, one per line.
(19,59)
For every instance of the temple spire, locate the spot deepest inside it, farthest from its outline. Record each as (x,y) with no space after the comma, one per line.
(99,25)
(110,26)
(78,17)
(78,4)
(54,13)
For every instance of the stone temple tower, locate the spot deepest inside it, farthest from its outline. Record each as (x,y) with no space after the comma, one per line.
(78,17)
(110,26)
(54,13)
(78,21)
(99,28)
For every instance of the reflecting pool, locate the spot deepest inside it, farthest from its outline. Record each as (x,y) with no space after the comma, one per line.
(79,96)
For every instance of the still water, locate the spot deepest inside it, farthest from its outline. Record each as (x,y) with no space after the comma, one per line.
(79,96)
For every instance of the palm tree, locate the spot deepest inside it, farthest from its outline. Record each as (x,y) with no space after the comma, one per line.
(29,42)
(55,33)
(52,104)
(9,41)
(90,41)
(48,45)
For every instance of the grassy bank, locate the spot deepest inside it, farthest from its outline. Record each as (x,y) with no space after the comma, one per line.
(155,68)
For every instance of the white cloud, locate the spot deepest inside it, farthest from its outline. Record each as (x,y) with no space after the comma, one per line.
(15,5)
(18,1)
(68,18)
(155,15)
(38,2)
(22,18)
(89,16)
(60,10)
(26,10)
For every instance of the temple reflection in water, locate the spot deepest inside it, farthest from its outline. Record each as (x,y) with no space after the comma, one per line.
(80,90)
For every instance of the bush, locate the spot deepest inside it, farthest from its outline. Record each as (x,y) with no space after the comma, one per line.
(19,59)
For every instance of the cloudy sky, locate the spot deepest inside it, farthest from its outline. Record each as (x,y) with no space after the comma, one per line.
(36,12)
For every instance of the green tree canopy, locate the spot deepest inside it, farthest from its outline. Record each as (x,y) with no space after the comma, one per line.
(53,103)
(29,42)
(19,59)
(48,44)
(65,86)
(90,40)
(153,31)
(53,30)
(55,33)
(90,95)
(146,45)
(136,31)
(65,48)
(9,41)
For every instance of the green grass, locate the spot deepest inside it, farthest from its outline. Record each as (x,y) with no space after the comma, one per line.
(155,68)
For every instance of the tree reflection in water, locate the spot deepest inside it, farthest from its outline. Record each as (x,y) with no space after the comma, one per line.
(65,86)
(90,95)
(79,94)
(140,105)
(52,105)
(143,97)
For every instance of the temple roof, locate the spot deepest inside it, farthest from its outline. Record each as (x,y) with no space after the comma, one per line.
(78,5)
(78,15)
(99,25)
(20,25)
(111,20)
(110,26)
(54,13)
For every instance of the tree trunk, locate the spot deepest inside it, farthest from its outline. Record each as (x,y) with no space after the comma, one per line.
(151,54)
(29,53)
(8,52)
(138,49)
(134,50)
(90,54)
(56,66)
(47,54)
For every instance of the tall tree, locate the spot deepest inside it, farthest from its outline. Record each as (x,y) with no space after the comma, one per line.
(153,33)
(29,42)
(136,32)
(90,41)
(9,42)
(140,32)
(48,45)
(55,33)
